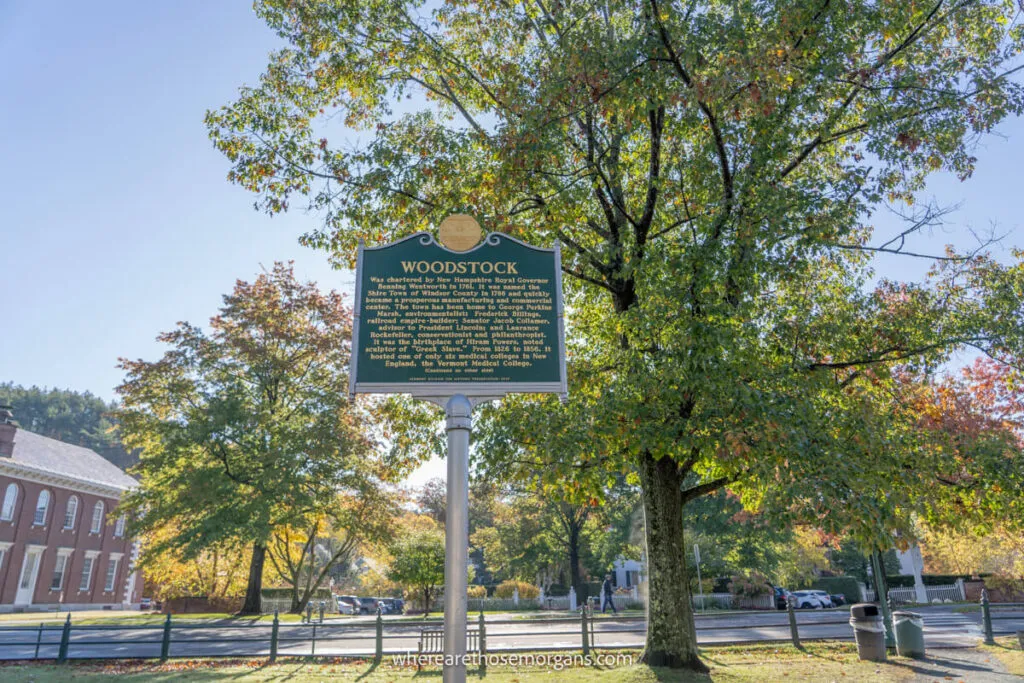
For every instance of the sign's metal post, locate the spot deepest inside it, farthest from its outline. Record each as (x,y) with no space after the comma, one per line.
(458,411)
(457,323)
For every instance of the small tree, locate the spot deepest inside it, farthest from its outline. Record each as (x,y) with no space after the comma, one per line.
(244,430)
(303,557)
(418,563)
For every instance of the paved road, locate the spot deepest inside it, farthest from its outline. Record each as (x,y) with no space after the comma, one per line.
(943,628)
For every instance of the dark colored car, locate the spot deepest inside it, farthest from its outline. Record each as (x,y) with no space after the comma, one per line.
(838,599)
(781,596)
(391,605)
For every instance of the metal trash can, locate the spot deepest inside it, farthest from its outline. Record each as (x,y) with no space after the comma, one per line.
(909,628)
(869,631)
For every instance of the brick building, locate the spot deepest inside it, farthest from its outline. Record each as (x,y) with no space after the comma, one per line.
(59,542)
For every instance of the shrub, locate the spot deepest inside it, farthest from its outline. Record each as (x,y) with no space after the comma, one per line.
(1007,587)
(752,586)
(847,585)
(527,591)
(590,589)
(476,592)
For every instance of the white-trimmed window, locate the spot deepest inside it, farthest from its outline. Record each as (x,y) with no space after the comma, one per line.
(42,506)
(115,561)
(71,513)
(10,501)
(4,547)
(88,565)
(119,527)
(97,518)
(60,569)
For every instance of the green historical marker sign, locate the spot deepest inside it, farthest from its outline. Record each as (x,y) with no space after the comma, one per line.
(432,321)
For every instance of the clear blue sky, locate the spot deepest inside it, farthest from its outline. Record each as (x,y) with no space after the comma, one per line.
(116,220)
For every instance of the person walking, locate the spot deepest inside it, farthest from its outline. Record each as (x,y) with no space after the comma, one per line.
(608,591)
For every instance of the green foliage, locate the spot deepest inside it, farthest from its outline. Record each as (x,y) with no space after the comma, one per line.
(733,540)
(69,416)
(849,559)
(535,537)
(749,586)
(848,586)
(243,430)
(418,563)
(891,562)
(523,543)
(476,592)
(711,171)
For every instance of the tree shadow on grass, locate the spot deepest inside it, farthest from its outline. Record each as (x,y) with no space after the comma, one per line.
(374,663)
(708,659)
(932,666)
(663,675)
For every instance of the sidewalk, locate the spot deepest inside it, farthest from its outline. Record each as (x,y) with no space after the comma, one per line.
(970,665)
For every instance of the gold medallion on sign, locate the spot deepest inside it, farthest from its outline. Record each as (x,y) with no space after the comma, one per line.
(460,232)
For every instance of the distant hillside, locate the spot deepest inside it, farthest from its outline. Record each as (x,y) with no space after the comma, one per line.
(70,416)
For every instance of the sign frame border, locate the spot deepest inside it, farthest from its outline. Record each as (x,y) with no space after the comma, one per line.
(469,389)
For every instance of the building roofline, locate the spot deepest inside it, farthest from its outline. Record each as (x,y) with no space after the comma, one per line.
(39,475)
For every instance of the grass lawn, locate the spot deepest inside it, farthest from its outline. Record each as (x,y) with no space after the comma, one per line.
(1007,650)
(818,662)
(967,609)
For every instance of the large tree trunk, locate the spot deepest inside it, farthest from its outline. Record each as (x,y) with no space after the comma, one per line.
(574,562)
(255,588)
(671,632)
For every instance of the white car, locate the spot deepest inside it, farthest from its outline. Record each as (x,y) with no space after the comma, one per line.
(807,600)
(345,605)
(823,597)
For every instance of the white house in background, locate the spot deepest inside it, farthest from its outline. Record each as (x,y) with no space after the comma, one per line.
(912,564)
(627,573)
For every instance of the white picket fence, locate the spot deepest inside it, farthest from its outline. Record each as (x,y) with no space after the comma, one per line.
(553,602)
(952,592)
(499,604)
(621,601)
(268,605)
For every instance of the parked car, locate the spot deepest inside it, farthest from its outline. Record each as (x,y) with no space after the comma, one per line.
(807,600)
(838,599)
(347,604)
(823,597)
(781,597)
(367,605)
(391,605)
